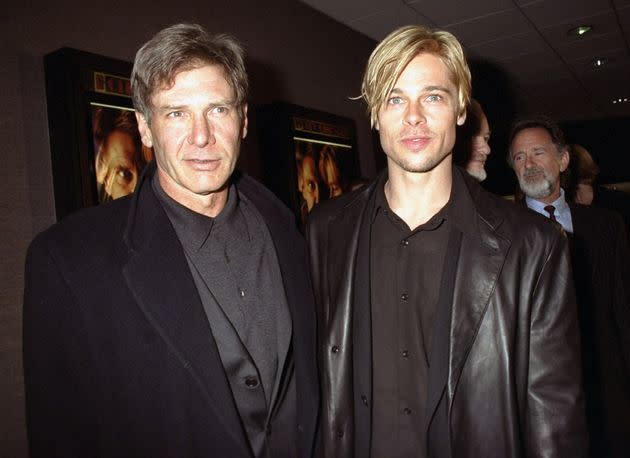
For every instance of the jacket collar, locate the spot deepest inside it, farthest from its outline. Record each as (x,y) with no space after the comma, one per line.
(482,255)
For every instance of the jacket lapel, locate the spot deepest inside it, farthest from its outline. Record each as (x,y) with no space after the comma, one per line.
(159,277)
(480,253)
(483,252)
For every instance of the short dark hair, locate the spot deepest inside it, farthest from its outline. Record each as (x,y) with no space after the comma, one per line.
(533,122)
(182,47)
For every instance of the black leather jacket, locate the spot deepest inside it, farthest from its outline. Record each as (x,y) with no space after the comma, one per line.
(510,377)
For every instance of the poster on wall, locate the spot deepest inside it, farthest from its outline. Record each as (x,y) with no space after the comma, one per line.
(96,150)
(309,155)
(119,155)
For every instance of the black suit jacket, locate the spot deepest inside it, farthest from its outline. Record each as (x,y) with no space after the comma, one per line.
(505,355)
(119,357)
(601,260)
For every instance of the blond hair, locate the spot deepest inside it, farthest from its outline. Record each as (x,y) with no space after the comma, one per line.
(393,54)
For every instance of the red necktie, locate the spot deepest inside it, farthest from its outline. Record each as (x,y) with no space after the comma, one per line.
(551,209)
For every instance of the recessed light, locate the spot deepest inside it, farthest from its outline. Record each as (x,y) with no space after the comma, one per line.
(580,30)
(620,100)
(599,63)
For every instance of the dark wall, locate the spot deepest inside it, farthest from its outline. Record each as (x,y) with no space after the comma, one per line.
(495,92)
(608,141)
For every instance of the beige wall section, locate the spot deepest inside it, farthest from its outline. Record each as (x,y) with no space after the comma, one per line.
(294,54)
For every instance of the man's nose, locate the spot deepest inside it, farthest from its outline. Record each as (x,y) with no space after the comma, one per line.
(201,132)
(414,114)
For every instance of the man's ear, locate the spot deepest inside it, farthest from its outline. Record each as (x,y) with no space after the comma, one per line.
(145,130)
(461,119)
(244,121)
(564,160)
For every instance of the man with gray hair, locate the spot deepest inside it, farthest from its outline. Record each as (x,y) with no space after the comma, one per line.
(600,257)
(179,321)
(447,315)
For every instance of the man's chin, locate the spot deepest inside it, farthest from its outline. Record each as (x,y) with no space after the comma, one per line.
(478,174)
(538,190)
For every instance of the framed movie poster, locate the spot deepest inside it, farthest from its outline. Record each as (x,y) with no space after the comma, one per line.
(96,150)
(309,155)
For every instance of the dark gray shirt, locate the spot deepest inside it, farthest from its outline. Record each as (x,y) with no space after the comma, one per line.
(235,268)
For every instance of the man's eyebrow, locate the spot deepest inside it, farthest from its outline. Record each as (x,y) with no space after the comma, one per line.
(396,90)
(437,88)
(170,107)
(176,107)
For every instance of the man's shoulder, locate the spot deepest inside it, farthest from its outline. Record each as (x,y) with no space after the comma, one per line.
(514,220)
(86,229)
(263,198)
(592,212)
(599,222)
(346,204)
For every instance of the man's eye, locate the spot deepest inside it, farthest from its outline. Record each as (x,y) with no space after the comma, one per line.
(220,110)
(124,175)
(434,98)
(175,114)
(395,100)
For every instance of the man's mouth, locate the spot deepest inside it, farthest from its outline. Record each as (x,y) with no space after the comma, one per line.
(415,142)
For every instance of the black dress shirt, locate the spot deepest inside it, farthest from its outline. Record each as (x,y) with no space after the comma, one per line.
(406,268)
(405,271)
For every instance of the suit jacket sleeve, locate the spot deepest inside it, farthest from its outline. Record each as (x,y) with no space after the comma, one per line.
(555,404)
(55,367)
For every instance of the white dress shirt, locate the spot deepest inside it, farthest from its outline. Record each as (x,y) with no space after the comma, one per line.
(562,212)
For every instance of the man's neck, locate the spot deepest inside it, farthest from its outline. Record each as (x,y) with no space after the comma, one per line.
(416,197)
(209,205)
(540,203)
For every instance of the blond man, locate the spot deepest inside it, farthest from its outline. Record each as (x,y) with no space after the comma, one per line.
(439,337)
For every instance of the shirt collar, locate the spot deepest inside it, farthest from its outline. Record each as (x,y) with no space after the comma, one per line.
(458,208)
(194,227)
(560,204)
(562,211)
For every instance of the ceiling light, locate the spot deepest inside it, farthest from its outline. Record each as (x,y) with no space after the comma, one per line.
(580,30)
(620,100)
(599,63)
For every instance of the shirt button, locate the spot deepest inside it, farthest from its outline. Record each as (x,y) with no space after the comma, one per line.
(241,293)
(340,433)
(364,399)
(251,382)
(404,242)
(405,354)
(407,411)
(335,349)
(404,297)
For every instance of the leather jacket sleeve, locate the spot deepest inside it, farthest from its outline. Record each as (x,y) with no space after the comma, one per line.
(555,406)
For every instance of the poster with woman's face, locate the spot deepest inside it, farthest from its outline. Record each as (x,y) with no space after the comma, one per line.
(322,171)
(119,156)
